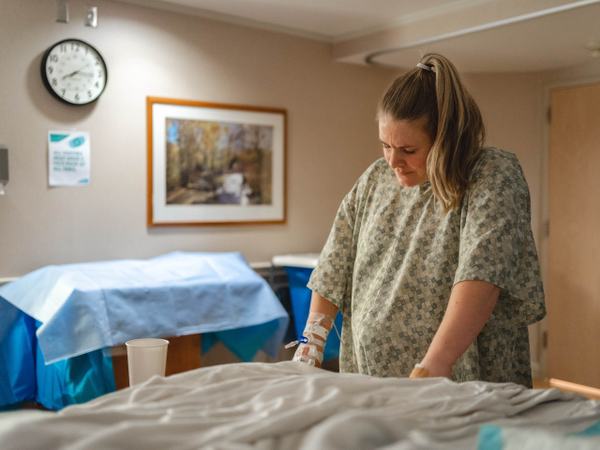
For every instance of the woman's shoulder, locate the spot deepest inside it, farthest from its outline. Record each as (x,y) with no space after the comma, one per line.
(498,173)
(374,173)
(378,166)
(373,179)
(496,163)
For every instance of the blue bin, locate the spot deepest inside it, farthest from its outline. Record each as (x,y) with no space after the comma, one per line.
(300,298)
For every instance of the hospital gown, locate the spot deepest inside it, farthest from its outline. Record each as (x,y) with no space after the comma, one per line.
(393,255)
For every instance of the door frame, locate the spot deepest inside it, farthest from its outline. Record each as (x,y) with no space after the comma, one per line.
(563,80)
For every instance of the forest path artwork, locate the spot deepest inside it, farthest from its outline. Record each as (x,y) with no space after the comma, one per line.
(215,163)
(218,163)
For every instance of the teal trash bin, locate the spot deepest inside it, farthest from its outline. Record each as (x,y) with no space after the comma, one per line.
(298,268)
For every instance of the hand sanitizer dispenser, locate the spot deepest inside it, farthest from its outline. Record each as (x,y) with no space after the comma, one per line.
(3,169)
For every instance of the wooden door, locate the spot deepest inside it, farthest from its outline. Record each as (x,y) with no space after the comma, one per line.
(573,283)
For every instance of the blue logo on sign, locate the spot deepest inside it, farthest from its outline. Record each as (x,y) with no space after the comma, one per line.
(76,142)
(57,137)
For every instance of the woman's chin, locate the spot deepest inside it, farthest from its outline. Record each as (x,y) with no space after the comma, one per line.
(407,180)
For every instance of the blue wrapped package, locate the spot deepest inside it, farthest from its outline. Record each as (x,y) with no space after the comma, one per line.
(25,377)
(73,380)
(83,308)
(17,356)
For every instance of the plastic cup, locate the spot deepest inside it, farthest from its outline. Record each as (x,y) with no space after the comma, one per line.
(145,358)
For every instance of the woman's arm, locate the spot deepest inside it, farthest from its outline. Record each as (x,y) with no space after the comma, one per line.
(469,308)
(320,304)
(320,320)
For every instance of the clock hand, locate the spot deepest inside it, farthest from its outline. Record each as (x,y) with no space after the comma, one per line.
(70,74)
(75,72)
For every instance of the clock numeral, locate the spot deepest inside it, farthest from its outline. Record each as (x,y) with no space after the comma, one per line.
(77,97)
(54,82)
(63,48)
(89,94)
(100,74)
(63,92)
(50,69)
(54,58)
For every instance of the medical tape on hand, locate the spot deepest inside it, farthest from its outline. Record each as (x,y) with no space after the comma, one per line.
(316,330)
(313,352)
(313,339)
(320,323)
(310,362)
(309,356)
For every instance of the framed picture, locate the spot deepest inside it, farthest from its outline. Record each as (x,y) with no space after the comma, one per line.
(215,164)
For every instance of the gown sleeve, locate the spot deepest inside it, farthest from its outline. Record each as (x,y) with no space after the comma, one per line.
(496,242)
(332,278)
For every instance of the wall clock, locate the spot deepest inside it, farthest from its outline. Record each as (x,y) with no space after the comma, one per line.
(74,72)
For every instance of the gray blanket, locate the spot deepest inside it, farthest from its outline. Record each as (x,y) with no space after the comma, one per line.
(289,405)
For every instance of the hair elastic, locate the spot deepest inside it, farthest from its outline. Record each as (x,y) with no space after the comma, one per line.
(425,67)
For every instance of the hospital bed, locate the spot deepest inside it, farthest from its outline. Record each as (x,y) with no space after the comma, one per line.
(62,327)
(289,405)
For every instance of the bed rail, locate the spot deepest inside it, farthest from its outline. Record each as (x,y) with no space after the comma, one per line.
(581,389)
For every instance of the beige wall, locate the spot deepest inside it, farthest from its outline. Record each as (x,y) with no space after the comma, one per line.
(331,131)
(512,108)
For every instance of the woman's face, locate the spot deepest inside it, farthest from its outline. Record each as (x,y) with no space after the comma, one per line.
(406,145)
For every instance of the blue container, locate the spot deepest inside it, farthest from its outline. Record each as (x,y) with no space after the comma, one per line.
(300,299)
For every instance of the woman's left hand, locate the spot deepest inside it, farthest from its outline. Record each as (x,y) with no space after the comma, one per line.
(419,372)
(429,369)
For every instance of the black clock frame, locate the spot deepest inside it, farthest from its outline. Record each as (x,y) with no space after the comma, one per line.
(47,82)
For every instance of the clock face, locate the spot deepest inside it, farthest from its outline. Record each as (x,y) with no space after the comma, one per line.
(74,72)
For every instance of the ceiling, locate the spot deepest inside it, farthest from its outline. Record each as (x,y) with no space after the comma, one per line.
(478,35)
(325,20)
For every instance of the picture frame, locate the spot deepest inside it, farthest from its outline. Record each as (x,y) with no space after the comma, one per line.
(215,163)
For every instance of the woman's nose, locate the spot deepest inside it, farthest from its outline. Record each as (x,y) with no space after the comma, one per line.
(396,160)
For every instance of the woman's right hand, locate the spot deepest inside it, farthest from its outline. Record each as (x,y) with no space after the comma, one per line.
(318,324)
(310,353)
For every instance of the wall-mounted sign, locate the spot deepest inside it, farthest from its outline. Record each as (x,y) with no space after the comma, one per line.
(68,158)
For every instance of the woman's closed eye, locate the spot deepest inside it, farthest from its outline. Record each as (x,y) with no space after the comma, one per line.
(405,150)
